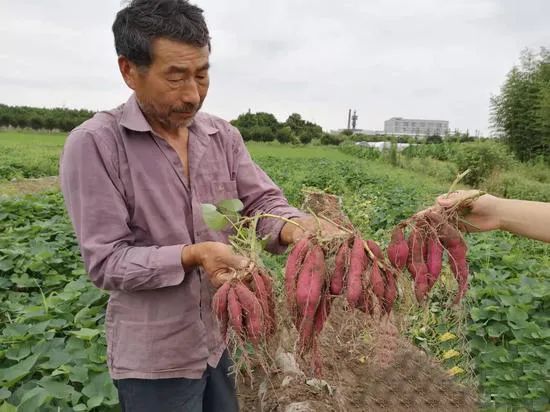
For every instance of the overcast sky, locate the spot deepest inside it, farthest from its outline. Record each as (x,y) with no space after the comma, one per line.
(430,59)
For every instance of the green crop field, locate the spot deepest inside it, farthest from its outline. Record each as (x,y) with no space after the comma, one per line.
(52,344)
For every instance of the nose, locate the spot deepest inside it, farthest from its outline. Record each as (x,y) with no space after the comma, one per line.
(190,93)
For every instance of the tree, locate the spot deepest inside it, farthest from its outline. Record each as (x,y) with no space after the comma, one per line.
(284,135)
(520,114)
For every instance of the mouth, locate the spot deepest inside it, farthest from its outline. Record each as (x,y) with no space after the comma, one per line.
(185,114)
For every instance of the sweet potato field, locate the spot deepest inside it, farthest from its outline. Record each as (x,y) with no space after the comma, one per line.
(52,344)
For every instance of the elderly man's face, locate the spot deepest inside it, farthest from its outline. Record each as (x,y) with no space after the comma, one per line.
(171,91)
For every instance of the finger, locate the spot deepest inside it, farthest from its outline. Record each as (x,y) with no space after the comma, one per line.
(236,261)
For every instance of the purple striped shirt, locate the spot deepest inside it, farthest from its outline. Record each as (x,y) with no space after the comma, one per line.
(133,211)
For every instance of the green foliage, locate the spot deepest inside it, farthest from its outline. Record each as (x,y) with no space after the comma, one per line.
(331,139)
(285,135)
(517,185)
(52,344)
(360,152)
(483,159)
(520,114)
(509,327)
(24,155)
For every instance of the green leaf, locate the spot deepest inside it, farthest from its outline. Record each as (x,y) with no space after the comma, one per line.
(7,407)
(80,407)
(213,219)
(517,315)
(19,352)
(94,401)
(230,205)
(15,373)
(55,388)
(4,394)
(496,330)
(85,333)
(33,400)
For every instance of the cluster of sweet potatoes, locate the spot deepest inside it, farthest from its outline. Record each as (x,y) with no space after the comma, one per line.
(316,272)
(430,235)
(246,305)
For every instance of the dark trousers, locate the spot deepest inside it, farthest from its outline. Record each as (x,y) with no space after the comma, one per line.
(214,392)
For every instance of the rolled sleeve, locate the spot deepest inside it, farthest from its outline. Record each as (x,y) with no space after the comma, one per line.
(95,202)
(260,195)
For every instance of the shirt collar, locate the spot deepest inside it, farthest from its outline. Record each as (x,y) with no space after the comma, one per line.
(133,119)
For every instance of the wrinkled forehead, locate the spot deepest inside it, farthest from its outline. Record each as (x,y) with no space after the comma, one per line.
(167,53)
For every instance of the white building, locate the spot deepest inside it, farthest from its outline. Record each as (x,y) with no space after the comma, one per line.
(383,145)
(416,127)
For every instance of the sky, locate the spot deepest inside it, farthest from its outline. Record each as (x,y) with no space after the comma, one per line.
(430,59)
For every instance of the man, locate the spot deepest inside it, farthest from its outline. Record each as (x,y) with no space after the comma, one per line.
(133,179)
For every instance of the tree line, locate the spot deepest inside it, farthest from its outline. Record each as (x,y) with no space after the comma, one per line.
(26,117)
(264,127)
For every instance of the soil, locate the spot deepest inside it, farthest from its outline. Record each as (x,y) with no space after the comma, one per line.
(367,366)
(27,186)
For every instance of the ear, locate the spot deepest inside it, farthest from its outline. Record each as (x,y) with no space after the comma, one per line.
(128,71)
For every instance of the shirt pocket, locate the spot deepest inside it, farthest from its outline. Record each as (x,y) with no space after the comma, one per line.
(159,346)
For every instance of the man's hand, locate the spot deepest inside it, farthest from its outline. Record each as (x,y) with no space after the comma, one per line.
(482,215)
(291,233)
(217,259)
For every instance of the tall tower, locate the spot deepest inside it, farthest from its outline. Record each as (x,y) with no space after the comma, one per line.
(354,119)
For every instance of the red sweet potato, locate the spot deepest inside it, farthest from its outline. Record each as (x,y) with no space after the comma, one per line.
(219,305)
(398,249)
(416,263)
(390,293)
(270,316)
(356,267)
(252,311)
(322,313)
(293,264)
(340,268)
(421,285)
(460,268)
(234,310)
(260,291)
(375,249)
(434,260)
(308,289)
(457,249)
(376,281)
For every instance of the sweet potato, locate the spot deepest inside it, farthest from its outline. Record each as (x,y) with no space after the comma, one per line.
(375,249)
(398,249)
(460,268)
(322,313)
(252,311)
(262,296)
(416,263)
(434,259)
(293,264)
(356,268)
(421,285)
(308,289)
(457,249)
(376,281)
(390,293)
(340,269)
(234,310)
(270,316)
(219,305)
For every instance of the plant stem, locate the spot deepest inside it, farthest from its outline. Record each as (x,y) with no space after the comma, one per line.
(459,177)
